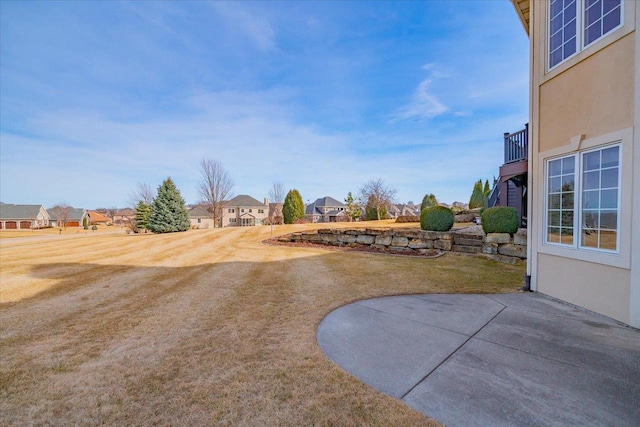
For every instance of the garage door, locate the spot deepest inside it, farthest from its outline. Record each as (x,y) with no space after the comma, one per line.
(73,224)
(25,225)
(12,225)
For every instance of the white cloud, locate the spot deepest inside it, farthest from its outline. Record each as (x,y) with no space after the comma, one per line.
(253,26)
(424,104)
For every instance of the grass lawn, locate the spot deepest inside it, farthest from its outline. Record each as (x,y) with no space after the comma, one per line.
(198,328)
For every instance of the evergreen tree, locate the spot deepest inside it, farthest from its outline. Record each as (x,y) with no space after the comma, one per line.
(293,208)
(477,197)
(143,211)
(428,201)
(353,210)
(168,211)
(486,189)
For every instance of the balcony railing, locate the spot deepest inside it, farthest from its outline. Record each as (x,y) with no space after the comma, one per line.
(516,145)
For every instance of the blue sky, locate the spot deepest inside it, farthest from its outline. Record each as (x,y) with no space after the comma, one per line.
(96,97)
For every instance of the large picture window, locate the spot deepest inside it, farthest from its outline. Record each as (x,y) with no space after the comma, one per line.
(590,204)
(575,24)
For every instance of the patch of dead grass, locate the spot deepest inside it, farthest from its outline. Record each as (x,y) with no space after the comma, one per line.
(199,328)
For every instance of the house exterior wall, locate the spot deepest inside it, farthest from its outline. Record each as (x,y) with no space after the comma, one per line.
(240,211)
(201,222)
(588,101)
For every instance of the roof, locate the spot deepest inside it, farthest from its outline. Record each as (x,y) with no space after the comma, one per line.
(522,9)
(199,212)
(328,202)
(98,217)
(124,212)
(323,202)
(244,200)
(74,214)
(9,211)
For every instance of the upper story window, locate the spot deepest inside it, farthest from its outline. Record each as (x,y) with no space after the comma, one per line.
(575,24)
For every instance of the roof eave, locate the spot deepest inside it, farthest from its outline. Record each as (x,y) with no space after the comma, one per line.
(522,9)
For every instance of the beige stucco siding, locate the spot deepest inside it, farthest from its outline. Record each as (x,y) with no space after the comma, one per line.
(596,287)
(594,97)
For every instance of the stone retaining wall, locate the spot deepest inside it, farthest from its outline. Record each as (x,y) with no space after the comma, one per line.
(497,246)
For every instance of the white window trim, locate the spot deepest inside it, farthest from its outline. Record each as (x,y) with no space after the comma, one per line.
(627,26)
(580,40)
(622,257)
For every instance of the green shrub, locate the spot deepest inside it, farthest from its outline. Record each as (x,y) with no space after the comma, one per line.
(436,218)
(500,219)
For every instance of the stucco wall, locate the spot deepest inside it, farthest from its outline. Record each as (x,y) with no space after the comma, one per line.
(594,97)
(596,287)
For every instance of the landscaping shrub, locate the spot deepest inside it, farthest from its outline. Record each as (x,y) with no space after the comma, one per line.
(436,218)
(500,219)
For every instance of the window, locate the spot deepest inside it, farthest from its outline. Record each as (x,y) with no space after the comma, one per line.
(600,17)
(600,185)
(232,211)
(199,220)
(589,204)
(260,211)
(242,210)
(250,210)
(575,24)
(231,220)
(560,200)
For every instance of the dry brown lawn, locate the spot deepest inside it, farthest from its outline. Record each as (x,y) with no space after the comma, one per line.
(207,327)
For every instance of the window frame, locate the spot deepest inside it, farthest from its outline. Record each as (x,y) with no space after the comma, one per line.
(579,32)
(581,154)
(578,189)
(575,146)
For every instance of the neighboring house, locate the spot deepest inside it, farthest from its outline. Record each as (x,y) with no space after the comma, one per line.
(244,211)
(74,218)
(123,216)
(200,217)
(396,210)
(96,218)
(326,209)
(21,217)
(584,153)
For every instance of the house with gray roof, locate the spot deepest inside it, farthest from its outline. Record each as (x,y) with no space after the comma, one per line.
(22,217)
(244,211)
(326,209)
(67,216)
(200,217)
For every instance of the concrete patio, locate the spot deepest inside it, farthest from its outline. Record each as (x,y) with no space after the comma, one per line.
(509,359)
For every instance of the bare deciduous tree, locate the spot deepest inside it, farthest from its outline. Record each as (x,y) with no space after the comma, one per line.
(377,194)
(276,195)
(61,212)
(142,193)
(215,187)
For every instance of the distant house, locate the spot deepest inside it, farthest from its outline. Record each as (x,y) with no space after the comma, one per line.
(403,210)
(96,218)
(74,217)
(21,217)
(326,209)
(200,217)
(122,216)
(244,211)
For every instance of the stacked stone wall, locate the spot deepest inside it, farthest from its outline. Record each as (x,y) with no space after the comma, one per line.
(497,246)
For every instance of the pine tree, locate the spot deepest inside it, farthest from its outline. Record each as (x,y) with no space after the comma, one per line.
(168,211)
(293,208)
(486,190)
(143,211)
(353,210)
(428,201)
(477,197)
